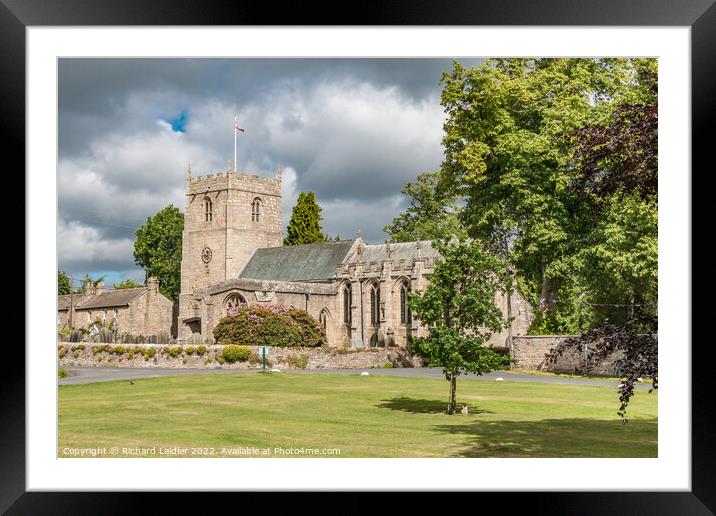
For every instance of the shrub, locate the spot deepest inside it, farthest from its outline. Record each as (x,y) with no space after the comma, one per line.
(149,353)
(63,351)
(233,354)
(298,362)
(78,346)
(118,350)
(173,351)
(62,373)
(201,350)
(190,350)
(388,365)
(76,353)
(100,348)
(220,359)
(269,326)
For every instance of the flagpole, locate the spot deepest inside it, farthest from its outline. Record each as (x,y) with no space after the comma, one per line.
(235,139)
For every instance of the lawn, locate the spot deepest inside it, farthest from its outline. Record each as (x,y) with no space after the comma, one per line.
(230,414)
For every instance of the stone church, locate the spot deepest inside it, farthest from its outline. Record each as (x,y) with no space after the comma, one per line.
(233,253)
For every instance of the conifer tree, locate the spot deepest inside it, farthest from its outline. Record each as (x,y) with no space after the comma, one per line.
(304,226)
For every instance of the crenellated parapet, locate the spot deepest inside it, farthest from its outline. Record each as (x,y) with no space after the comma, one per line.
(197,185)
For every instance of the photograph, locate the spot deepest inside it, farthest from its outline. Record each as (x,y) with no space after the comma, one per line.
(358,257)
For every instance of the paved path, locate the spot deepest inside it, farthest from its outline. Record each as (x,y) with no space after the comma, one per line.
(103,374)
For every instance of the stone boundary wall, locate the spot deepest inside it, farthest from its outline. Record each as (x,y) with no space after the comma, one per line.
(529,353)
(80,354)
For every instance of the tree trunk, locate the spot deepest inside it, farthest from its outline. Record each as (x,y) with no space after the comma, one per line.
(548,295)
(453,387)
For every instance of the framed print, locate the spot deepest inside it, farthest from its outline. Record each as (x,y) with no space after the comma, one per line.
(252,224)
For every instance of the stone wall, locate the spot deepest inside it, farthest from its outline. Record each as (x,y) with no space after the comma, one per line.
(82,355)
(529,353)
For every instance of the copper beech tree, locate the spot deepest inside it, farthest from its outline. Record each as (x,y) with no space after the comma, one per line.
(459,308)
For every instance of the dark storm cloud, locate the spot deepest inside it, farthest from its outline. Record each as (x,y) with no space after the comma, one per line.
(352,130)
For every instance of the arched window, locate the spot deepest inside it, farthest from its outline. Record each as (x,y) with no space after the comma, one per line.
(324,320)
(256,210)
(347,305)
(375,305)
(208,209)
(405,316)
(232,303)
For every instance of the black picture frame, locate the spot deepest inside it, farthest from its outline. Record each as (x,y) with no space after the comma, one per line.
(699,15)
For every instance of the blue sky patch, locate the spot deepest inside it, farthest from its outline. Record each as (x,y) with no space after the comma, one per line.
(178,123)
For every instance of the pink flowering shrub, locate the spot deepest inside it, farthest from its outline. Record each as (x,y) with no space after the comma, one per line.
(270,325)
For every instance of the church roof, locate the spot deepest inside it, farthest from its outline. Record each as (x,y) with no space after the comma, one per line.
(307,262)
(402,251)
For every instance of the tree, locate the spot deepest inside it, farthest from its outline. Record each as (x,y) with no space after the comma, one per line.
(512,129)
(639,355)
(621,157)
(459,308)
(157,249)
(63,283)
(127,283)
(304,226)
(430,215)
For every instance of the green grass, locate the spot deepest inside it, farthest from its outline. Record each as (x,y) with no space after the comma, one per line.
(362,416)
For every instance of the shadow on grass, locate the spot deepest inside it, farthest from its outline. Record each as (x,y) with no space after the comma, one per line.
(422,406)
(557,438)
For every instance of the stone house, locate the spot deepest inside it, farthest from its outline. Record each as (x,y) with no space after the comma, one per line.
(233,253)
(137,311)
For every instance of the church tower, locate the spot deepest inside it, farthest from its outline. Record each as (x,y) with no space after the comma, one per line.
(227,216)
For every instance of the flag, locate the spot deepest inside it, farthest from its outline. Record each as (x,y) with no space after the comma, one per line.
(236,125)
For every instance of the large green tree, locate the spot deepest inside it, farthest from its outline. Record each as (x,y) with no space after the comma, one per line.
(157,249)
(305,224)
(459,308)
(63,283)
(511,133)
(430,215)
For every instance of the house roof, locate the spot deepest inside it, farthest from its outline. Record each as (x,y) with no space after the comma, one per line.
(63,302)
(307,262)
(108,299)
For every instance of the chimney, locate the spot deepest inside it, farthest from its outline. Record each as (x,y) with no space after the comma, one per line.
(100,288)
(153,284)
(89,289)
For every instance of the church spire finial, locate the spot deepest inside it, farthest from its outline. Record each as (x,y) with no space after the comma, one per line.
(188,173)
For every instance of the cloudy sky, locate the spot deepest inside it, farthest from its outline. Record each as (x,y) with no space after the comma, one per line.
(351,130)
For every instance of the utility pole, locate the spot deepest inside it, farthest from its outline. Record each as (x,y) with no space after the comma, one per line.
(510,347)
(72,308)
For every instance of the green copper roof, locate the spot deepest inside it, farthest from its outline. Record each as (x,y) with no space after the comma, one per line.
(308,262)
